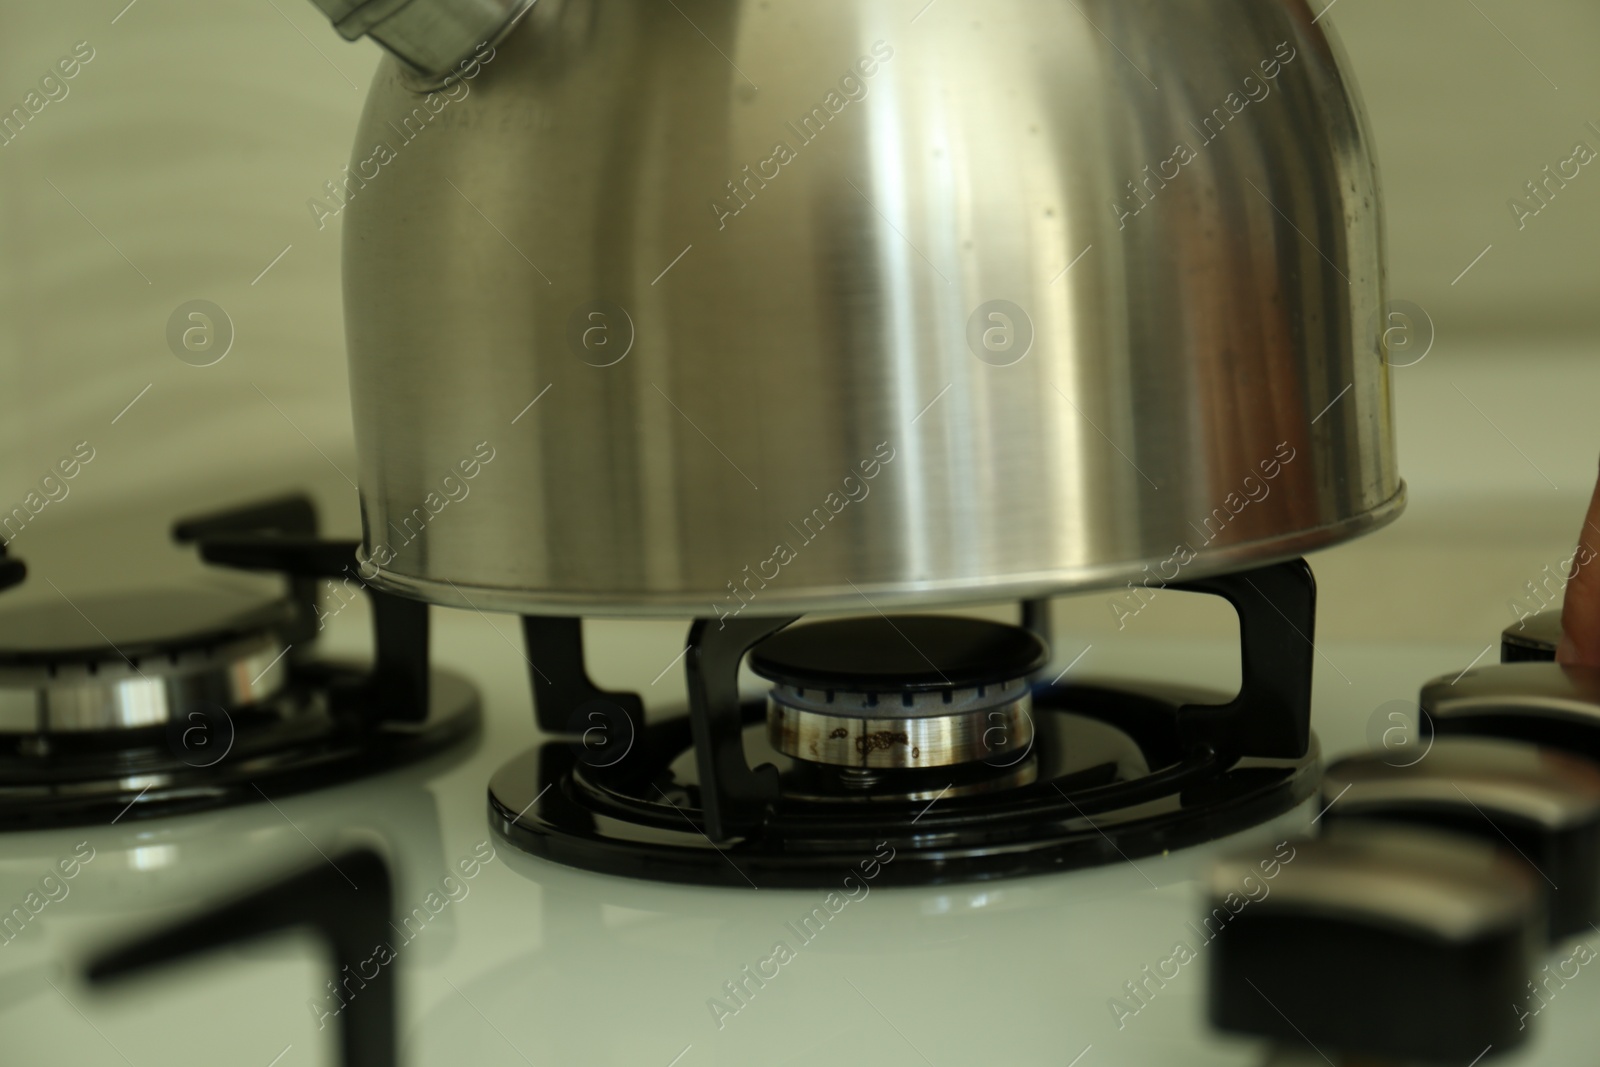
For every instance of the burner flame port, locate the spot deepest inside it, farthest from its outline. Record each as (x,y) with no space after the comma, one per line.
(914,692)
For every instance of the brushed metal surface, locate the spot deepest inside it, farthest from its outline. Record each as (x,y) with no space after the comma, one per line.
(791,394)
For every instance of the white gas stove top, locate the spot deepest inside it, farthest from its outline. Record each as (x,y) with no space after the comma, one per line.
(503,958)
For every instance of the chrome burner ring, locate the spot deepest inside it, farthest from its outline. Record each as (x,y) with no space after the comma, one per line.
(912,730)
(150,691)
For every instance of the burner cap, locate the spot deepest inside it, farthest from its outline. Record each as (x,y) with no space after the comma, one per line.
(899,654)
(123,627)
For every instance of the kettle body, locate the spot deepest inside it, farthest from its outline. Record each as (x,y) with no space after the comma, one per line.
(745,305)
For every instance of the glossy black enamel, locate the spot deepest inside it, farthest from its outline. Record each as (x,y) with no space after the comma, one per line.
(879,654)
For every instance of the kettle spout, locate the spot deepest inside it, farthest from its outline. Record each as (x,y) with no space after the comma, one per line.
(430,36)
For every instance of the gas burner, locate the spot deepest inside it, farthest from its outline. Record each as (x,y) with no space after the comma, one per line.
(924,735)
(912,693)
(191,698)
(123,661)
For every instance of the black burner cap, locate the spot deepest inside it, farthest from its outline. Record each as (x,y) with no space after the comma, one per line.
(157,622)
(896,654)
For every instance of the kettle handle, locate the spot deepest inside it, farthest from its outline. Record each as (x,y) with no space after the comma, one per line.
(432,37)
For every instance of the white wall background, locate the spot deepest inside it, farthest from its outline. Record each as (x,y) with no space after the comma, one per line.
(1470,100)
(187,148)
(180,164)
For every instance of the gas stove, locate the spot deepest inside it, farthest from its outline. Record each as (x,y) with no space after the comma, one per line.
(1031,826)
(174,699)
(936,738)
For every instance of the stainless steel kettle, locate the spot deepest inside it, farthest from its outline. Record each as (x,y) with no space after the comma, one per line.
(711,306)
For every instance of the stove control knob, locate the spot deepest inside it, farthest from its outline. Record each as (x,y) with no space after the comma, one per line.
(1533,638)
(1542,703)
(1543,803)
(11,570)
(1375,941)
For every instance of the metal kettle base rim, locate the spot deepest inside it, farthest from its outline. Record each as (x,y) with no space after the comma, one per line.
(802,600)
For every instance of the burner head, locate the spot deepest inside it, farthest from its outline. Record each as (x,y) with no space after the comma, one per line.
(913,734)
(905,692)
(186,698)
(134,660)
